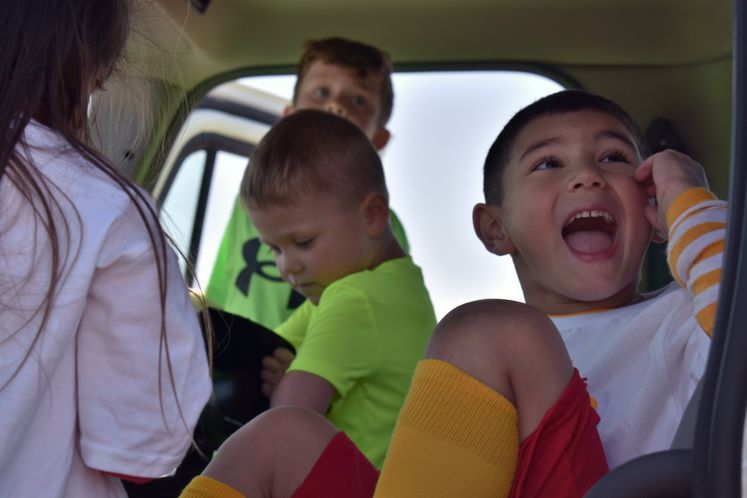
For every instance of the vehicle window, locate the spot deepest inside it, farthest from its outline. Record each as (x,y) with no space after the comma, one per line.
(442,126)
(180,204)
(229,170)
(179,209)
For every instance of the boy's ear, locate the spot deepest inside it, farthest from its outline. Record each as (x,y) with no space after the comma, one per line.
(375,212)
(489,228)
(659,237)
(380,138)
(289,109)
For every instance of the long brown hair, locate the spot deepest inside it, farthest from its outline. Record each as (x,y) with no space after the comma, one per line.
(53,55)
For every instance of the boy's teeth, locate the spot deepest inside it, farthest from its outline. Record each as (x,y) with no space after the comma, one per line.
(593,214)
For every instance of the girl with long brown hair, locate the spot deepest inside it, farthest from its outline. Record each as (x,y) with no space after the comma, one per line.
(103,370)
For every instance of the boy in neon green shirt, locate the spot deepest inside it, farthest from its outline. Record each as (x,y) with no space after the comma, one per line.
(369,367)
(316,192)
(336,75)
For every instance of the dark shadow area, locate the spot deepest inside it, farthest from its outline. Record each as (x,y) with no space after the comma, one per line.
(239,346)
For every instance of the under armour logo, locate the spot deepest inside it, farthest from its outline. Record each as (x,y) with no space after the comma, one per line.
(250,252)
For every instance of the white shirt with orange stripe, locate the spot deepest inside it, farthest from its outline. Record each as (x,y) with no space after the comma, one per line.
(644,361)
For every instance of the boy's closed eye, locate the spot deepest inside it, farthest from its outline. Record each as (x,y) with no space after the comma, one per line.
(301,244)
(304,243)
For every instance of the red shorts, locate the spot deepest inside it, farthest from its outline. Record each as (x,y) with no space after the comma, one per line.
(563,457)
(341,471)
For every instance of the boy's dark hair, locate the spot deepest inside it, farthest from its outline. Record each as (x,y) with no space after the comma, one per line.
(360,57)
(561,102)
(312,151)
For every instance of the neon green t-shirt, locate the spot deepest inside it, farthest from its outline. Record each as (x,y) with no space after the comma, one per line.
(245,280)
(365,337)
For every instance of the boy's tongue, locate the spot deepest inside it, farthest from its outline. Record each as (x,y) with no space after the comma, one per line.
(589,241)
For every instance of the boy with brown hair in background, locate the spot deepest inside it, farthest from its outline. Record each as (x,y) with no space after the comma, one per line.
(316,192)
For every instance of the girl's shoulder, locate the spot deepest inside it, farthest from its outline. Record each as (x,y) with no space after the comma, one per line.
(69,173)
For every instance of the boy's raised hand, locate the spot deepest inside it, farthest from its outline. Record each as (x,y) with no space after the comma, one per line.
(665,175)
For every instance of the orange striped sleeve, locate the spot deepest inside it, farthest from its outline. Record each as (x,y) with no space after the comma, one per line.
(707,318)
(686,239)
(685,201)
(697,226)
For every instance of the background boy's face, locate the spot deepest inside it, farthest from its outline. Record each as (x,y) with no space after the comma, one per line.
(316,241)
(572,214)
(338,89)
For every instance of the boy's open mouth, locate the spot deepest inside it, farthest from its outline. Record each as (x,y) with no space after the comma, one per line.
(590,232)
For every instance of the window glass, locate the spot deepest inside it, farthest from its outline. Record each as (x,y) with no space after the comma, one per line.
(180,204)
(227,175)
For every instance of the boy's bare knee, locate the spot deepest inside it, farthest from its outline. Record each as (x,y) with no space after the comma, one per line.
(488,328)
(493,340)
(290,429)
(304,435)
(272,454)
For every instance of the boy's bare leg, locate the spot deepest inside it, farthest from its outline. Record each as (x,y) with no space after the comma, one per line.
(493,368)
(512,351)
(512,348)
(272,455)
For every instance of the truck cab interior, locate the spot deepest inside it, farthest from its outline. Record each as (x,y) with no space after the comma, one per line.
(674,65)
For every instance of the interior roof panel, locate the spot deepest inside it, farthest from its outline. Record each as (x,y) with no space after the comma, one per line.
(244,33)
